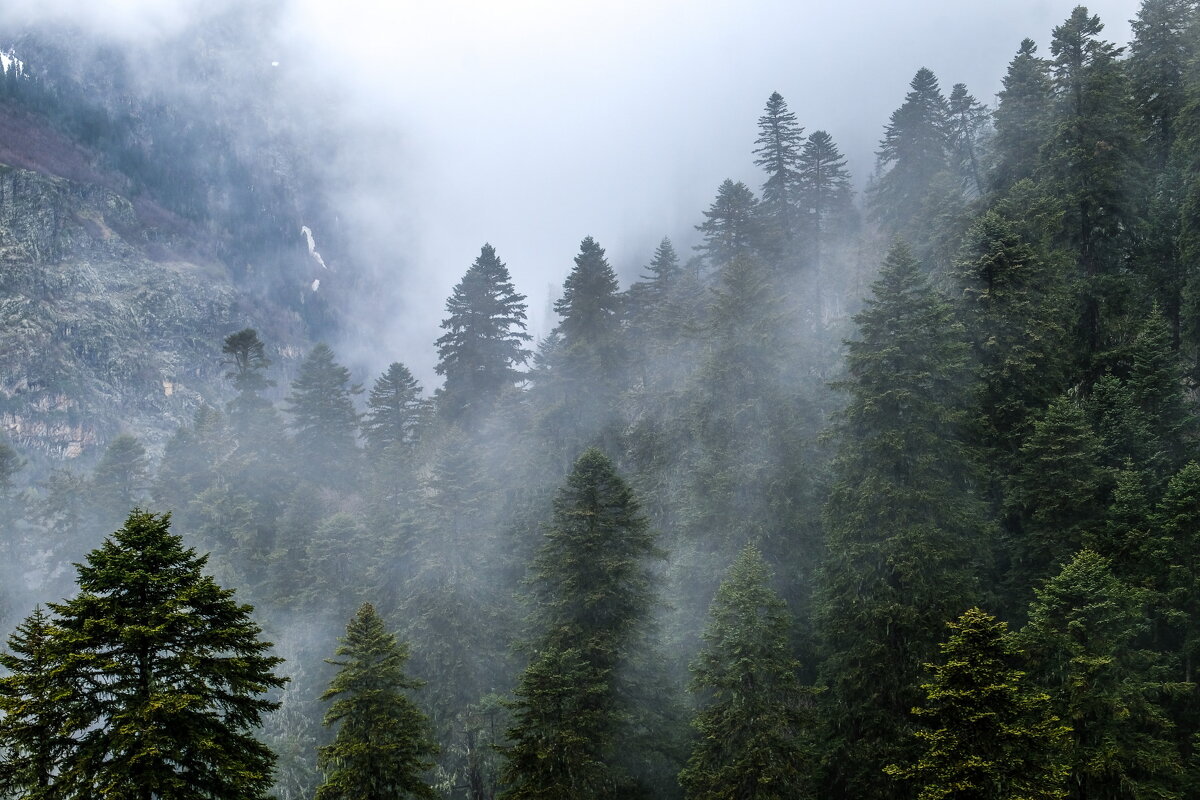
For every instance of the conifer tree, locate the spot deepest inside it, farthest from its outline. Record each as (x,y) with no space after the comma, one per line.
(732,225)
(394,409)
(161,674)
(777,151)
(1156,383)
(1158,62)
(1022,117)
(592,597)
(904,531)
(912,153)
(987,735)
(121,478)
(246,355)
(484,341)
(1177,520)
(753,722)
(1082,641)
(383,744)
(323,416)
(824,193)
(966,123)
(32,699)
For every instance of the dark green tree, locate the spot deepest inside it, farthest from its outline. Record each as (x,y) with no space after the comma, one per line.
(1022,117)
(323,417)
(383,743)
(754,721)
(32,698)
(986,734)
(162,674)
(592,596)
(967,121)
(246,355)
(911,155)
(121,478)
(777,151)
(905,529)
(485,338)
(1083,643)
(1158,64)
(825,197)
(394,409)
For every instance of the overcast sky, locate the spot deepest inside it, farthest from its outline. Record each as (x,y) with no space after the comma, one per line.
(533,123)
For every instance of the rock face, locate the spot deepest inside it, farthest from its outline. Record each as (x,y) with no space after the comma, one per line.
(109,320)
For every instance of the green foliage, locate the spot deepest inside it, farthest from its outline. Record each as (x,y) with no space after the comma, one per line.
(754,720)
(913,152)
(394,410)
(732,225)
(121,478)
(777,151)
(160,675)
(323,416)
(382,745)
(987,735)
(1022,117)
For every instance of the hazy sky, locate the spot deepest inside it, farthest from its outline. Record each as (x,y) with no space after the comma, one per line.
(533,123)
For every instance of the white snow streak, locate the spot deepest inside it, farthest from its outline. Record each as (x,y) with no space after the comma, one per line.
(312,246)
(316,284)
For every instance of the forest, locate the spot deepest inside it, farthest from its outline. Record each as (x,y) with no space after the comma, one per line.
(883,495)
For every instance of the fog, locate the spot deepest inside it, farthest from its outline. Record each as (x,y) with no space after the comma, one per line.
(532,124)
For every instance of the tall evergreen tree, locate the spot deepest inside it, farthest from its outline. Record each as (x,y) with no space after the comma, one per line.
(1022,117)
(393,410)
(323,416)
(904,528)
(966,123)
(1158,63)
(161,675)
(912,153)
(121,478)
(777,151)
(485,338)
(732,225)
(246,355)
(753,723)
(1082,639)
(987,735)
(824,193)
(383,744)
(592,595)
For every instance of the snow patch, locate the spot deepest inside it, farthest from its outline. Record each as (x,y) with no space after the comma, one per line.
(312,245)
(316,284)
(9,59)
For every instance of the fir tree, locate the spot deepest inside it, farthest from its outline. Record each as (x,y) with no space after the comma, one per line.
(986,734)
(592,598)
(1158,61)
(32,698)
(382,745)
(121,478)
(966,122)
(1022,117)
(247,356)
(394,409)
(484,341)
(777,151)
(753,720)
(912,153)
(824,193)
(323,416)
(162,675)
(904,527)
(732,225)
(1082,640)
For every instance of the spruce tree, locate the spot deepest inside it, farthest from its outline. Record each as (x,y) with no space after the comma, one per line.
(383,744)
(161,675)
(824,193)
(912,153)
(777,151)
(394,409)
(753,724)
(246,355)
(905,530)
(323,417)
(1022,117)
(986,734)
(1083,641)
(484,341)
(32,696)
(967,121)
(1158,63)
(592,594)
(732,225)
(121,478)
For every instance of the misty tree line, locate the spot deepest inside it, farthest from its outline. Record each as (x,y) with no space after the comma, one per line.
(688,545)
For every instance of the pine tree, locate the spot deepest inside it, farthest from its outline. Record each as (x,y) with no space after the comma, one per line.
(32,702)
(592,595)
(1082,641)
(382,745)
(1158,56)
(1022,117)
(986,734)
(162,673)
(247,356)
(911,154)
(777,151)
(394,409)
(484,341)
(905,531)
(966,123)
(824,193)
(732,225)
(323,416)
(753,721)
